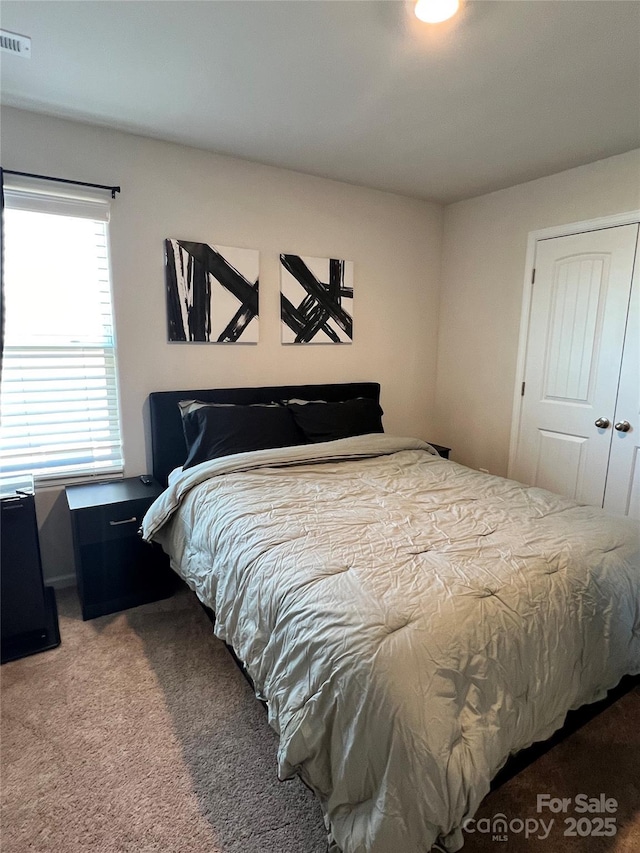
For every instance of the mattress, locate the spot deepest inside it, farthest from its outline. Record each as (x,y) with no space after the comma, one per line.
(409,622)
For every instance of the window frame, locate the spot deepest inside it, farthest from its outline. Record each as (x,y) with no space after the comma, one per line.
(45,197)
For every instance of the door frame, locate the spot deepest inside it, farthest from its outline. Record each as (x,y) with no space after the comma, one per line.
(632,217)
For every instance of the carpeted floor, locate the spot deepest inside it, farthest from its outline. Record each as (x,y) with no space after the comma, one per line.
(139,734)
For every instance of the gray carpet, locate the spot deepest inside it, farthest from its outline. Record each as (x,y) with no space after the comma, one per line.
(139,734)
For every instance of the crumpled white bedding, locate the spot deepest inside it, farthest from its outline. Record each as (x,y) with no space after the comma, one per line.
(410,622)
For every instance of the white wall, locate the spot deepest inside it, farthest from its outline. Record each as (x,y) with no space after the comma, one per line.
(174,191)
(484,248)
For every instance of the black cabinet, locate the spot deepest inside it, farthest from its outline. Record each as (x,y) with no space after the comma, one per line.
(443,451)
(115,568)
(29,615)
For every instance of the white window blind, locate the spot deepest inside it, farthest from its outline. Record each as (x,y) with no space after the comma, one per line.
(58,391)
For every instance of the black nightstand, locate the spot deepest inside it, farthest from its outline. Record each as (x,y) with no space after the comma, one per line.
(115,568)
(443,451)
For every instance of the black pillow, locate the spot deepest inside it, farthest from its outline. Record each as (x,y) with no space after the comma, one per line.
(329,421)
(214,431)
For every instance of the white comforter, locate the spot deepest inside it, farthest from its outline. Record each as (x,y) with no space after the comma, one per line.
(409,621)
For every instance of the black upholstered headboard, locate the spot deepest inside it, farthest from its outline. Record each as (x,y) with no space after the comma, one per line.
(168,448)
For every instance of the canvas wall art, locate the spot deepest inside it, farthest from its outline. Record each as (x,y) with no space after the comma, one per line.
(316,299)
(212,292)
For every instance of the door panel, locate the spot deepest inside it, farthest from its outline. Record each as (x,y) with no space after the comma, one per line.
(622,495)
(576,331)
(560,466)
(578,298)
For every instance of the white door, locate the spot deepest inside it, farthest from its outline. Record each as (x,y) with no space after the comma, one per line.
(579,304)
(622,493)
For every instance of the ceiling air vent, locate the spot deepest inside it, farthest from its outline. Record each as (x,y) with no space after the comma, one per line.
(15,43)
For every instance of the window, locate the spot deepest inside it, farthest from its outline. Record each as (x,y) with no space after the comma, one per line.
(58,391)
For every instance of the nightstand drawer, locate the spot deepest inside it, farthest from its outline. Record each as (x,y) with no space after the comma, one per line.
(114,521)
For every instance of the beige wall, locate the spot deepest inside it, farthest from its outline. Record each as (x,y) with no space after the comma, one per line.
(406,313)
(174,191)
(484,248)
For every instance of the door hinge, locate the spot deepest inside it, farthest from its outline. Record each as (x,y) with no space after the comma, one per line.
(533,275)
(522,389)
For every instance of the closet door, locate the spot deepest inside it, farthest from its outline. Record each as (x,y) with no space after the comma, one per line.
(622,494)
(579,305)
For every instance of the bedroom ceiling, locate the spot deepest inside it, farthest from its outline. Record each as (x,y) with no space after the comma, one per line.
(357,91)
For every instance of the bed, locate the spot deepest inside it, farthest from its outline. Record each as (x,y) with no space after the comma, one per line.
(410,623)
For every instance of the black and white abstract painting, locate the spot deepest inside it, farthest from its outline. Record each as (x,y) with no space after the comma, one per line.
(316,300)
(212,292)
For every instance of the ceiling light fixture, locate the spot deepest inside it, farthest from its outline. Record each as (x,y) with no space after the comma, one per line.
(435,11)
